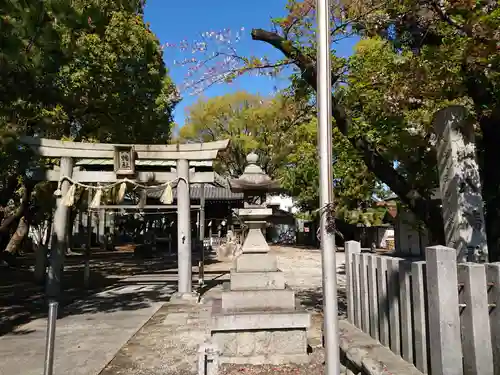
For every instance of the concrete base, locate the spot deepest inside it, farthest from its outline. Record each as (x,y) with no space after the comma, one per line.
(254,320)
(262,346)
(257,280)
(363,355)
(260,337)
(254,262)
(185,297)
(271,359)
(235,300)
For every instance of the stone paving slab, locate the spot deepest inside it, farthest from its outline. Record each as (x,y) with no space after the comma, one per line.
(167,344)
(88,336)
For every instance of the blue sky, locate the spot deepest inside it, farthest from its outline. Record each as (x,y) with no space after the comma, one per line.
(173,21)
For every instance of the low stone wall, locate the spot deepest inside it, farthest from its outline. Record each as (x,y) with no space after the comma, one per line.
(363,355)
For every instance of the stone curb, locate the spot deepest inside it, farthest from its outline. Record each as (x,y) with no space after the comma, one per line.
(361,354)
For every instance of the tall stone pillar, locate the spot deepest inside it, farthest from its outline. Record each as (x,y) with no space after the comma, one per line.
(59,236)
(460,184)
(183,230)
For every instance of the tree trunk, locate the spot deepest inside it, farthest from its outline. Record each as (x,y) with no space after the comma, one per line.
(10,187)
(21,210)
(482,91)
(18,237)
(425,209)
(73,214)
(491,184)
(40,263)
(47,239)
(14,220)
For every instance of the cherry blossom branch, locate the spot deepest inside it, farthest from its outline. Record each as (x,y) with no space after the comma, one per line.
(214,60)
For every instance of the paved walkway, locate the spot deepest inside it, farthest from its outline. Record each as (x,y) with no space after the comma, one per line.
(303,273)
(167,344)
(131,330)
(90,334)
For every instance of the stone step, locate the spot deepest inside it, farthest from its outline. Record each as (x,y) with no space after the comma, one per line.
(235,300)
(268,359)
(257,280)
(256,263)
(254,320)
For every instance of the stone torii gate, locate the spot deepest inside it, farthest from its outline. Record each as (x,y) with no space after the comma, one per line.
(124,157)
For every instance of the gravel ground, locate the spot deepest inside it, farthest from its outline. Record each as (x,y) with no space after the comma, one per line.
(303,274)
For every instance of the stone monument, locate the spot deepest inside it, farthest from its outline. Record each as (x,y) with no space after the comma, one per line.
(256,320)
(460,184)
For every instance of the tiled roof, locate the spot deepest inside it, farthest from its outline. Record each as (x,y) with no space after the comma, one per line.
(211,193)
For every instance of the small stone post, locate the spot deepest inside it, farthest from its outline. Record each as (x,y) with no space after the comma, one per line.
(208,359)
(444,318)
(351,248)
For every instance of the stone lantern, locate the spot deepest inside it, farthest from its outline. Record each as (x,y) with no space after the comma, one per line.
(256,321)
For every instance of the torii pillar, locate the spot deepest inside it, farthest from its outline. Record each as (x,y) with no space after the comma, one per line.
(184,262)
(59,237)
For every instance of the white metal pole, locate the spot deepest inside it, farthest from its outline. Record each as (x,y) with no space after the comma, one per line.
(50,339)
(324,102)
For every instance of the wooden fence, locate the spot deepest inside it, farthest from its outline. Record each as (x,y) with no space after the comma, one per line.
(441,316)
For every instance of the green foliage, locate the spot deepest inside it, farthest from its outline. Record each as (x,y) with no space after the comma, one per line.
(418,57)
(283,131)
(84,70)
(354,185)
(365,217)
(300,174)
(251,123)
(384,108)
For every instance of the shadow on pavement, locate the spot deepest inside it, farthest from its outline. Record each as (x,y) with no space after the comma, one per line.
(125,297)
(312,300)
(23,300)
